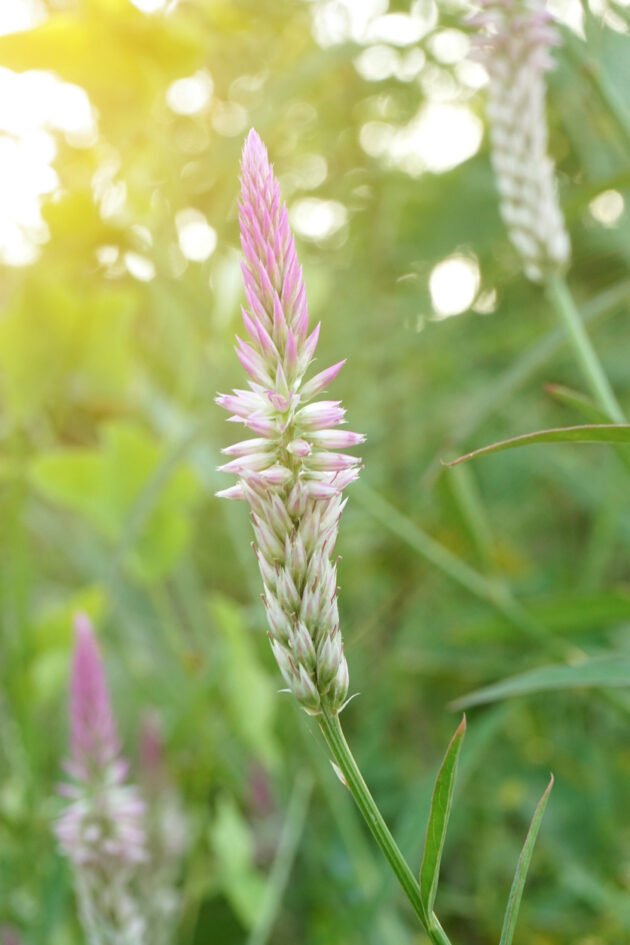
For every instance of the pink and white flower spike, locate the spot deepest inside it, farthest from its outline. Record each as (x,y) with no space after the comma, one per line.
(101,830)
(291,472)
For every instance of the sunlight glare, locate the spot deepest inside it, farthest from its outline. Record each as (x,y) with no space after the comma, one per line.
(34,104)
(19,15)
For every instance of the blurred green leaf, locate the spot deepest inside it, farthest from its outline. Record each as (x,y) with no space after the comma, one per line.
(604,671)
(589,433)
(520,876)
(233,847)
(250,692)
(441,802)
(52,638)
(103,484)
(59,349)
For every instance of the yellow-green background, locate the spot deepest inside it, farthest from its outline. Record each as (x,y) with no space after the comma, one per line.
(110,440)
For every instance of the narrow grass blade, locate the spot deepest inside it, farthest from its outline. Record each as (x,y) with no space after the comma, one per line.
(588,433)
(600,672)
(520,876)
(441,802)
(576,400)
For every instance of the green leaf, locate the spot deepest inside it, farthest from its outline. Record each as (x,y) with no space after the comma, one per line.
(234,849)
(520,876)
(588,433)
(441,802)
(61,349)
(249,691)
(104,484)
(605,672)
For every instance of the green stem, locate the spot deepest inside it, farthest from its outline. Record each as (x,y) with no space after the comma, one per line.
(562,300)
(340,750)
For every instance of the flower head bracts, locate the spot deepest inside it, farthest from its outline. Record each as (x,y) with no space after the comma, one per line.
(101,831)
(513,44)
(293,470)
(94,741)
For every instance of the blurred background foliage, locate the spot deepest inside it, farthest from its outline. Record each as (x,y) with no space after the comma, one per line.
(121,125)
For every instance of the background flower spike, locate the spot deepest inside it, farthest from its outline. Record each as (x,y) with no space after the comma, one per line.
(101,831)
(513,42)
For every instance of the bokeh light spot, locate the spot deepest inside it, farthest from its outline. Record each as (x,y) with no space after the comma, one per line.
(437,139)
(337,21)
(229,119)
(190,95)
(377,63)
(140,267)
(197,239)
(399,29)
(449,46)
(607,208)
(453,284)
(318,219)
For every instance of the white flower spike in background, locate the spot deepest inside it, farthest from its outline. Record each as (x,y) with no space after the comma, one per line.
(513,43)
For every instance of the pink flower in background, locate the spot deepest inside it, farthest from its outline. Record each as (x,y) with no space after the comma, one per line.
(94,741)
(104,820)
(293,470)
(101,830)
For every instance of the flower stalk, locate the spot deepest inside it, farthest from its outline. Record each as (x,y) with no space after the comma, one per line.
(292,474)
(586,356)
(332,731)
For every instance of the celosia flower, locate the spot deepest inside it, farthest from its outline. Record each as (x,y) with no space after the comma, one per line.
(101,831)
(293,470)
(513,43)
